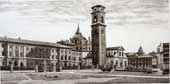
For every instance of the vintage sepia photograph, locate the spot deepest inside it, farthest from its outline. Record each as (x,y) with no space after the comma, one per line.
(84,42)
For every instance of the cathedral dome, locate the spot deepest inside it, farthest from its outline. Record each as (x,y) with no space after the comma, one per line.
(78,35)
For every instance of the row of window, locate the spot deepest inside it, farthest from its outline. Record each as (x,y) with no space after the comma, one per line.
(120,53)
(66,51)
(83,48)
(84,42)
(16,54)
(73,53)
(68,57)
(54,57)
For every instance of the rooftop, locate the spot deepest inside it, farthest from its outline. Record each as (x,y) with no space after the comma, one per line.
(115,48)
(98,6)
(31,42)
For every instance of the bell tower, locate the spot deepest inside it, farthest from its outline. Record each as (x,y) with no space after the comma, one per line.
(98,34)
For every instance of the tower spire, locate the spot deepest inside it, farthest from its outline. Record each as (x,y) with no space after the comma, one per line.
(78,29)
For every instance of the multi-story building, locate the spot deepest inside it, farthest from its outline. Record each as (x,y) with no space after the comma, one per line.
(88,60)
(140,59)
(80,45)
(37,55)
(117,57)
(155,59)
(1,56)
(80,42)
(163,51)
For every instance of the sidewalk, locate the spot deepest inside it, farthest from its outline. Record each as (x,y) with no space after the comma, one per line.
(87,70)
(18,71)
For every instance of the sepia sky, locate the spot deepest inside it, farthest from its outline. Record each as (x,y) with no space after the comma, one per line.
(130,23)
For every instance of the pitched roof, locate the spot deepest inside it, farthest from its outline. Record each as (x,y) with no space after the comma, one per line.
(31,42)
(98,6)
(115,48)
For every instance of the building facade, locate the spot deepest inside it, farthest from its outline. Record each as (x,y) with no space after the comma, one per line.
(117,57)
(163,51)
(1,55)
(140,60)
(81,46)
(44,56)
(81,42)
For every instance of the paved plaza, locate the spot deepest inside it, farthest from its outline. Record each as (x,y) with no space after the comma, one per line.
(81,77)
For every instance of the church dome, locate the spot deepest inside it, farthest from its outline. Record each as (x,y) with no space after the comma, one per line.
(78,35)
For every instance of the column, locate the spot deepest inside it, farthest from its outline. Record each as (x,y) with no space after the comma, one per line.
(60,66)
(92,67)
(45,66)
(78,68)
(36,67)
(54,68)
(11,66)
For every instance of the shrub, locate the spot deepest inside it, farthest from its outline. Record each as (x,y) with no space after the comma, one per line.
(106,68)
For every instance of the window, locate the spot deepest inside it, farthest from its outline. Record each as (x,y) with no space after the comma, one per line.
(66,57)
(112,61)
(166,55)
(114,53)
(21,54)
(69,57)
(121,64)
(52,56)
(109,53)
(74,58)
(27,49)
(102,31)
(31,49)
(120,53)
(27,64)
(61,57)
(95,32)
(52,50)
(116,62)
(9,62)
(79,58)
(95,19)
(56,56)
(102,20)
(15,63)
(76,48)
(10,46)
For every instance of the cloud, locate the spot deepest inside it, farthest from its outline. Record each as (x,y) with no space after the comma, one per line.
(51,18)
(118,12)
